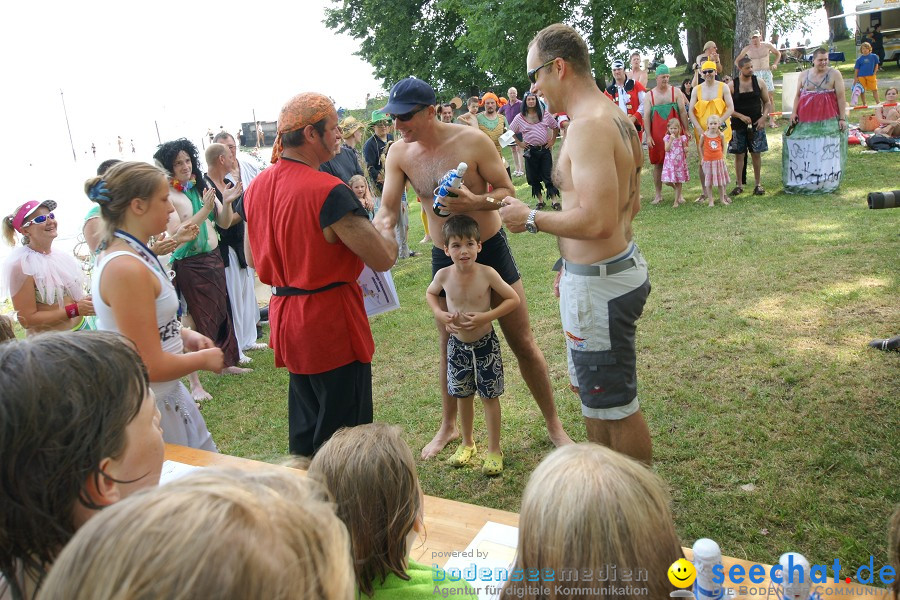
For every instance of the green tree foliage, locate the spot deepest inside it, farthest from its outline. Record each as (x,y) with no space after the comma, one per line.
(498,33)
(465,46)
(790,15)
(400,38)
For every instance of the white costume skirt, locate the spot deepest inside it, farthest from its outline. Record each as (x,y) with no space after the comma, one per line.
(241,294)
(181,420)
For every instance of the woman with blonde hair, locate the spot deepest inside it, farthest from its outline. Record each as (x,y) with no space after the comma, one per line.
(586,506)
(371,473)
(134,295)
(78,431)
(46,285)
(220,534)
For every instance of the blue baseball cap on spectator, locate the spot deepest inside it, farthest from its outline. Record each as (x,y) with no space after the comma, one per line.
(408,94)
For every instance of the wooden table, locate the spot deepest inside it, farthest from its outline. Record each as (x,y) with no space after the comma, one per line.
(451,525)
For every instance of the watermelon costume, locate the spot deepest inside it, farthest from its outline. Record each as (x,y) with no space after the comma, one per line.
(660,115)
(815,154)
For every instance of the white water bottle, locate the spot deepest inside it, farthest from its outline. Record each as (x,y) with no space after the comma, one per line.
(794,586)
(707,554)
(452,180)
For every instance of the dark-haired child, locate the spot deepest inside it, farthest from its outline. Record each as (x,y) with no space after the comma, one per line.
(473,350)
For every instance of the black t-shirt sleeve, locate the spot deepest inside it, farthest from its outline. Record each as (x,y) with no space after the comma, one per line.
(339,202)
(238,207)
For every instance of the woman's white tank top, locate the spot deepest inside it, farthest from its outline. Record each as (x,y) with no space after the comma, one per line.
(166,304)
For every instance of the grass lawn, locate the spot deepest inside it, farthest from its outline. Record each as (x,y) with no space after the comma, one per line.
(773,424)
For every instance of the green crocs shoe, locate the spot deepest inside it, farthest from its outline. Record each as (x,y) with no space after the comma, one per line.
(493,464)
(463,456)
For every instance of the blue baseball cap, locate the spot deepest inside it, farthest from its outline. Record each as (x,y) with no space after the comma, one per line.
(407,94)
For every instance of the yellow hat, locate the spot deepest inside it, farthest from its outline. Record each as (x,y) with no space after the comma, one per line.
(707,65)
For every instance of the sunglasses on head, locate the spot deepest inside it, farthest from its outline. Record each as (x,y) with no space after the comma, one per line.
(39,219)
(532,74)
(407,116)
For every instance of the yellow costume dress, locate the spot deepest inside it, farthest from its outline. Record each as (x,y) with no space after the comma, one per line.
(704,108)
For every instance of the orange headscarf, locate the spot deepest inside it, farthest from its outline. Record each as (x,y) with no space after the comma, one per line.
(489,96)
(298,112)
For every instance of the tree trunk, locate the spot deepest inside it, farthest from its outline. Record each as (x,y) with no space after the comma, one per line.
(750,15)
(837,27)
(695,43)
(680,58)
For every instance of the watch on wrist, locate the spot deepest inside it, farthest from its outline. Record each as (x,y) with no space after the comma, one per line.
(530,225)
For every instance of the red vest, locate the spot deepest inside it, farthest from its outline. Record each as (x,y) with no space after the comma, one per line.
(311,333)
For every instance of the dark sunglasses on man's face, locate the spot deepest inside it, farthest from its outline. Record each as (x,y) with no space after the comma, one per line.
(407,116)
(532,74)
(709,71)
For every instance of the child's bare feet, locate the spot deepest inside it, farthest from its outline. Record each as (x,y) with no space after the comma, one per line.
(439,441)
(657,200)
(711,202)
(197,392)
(726,200)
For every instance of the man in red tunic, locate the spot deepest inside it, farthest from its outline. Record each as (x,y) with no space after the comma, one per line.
(310,237)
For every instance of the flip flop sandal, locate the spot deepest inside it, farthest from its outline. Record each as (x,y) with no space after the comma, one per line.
(727,201)
(737,191)
(540,206)
(463,456)
(557,206)
(493,464)
(759,191)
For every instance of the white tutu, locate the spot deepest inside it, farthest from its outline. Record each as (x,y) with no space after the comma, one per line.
(56,275)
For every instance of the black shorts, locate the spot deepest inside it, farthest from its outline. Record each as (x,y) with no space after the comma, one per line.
(494,253)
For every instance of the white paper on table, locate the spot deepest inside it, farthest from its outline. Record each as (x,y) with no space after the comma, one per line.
(172,470)
(494,548)
(378,291)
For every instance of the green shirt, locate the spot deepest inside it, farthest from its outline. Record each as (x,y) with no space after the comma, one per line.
(421,586)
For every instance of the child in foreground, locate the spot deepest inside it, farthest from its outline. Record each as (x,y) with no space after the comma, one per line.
(79,431)
(216,533)
(371,473)
(473,350)
(715,172)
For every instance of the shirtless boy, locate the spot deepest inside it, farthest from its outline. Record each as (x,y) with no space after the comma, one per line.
(601,267)
(428,150)
(473,350)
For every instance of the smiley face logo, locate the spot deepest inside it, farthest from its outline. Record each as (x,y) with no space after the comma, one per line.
(682,573)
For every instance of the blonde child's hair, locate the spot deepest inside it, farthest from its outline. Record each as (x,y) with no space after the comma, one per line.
(673,120)
(865,46)
(710,118)
(586,505)
(356,179)
(371,472)
(221,534)
(894,550)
